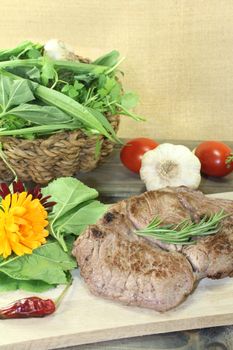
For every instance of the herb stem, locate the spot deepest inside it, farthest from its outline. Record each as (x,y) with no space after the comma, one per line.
(58,300)
(184,231)
(74,66)
(129,114)
(110,70)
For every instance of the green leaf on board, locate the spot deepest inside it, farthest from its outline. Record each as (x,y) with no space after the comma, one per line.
(48,263)
(68,193)
(8,284)
(76,221)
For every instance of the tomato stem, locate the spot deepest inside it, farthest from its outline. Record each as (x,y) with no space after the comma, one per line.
(229,159)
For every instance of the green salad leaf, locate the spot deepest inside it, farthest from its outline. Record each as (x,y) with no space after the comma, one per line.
(14,92)
(42,115)
(74,109)
(68,215)
(69,94)
(14,117)
(8,284)
(68,193)
(76,221)
(50,265)
(110,59)
(25,49)
(129,100)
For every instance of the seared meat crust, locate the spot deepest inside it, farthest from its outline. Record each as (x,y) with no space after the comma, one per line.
(117,264)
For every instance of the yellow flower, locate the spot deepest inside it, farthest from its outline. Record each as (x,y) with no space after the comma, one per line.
(22,224)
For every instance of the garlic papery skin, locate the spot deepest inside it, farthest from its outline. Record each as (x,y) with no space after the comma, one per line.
(170,165)
(57,50)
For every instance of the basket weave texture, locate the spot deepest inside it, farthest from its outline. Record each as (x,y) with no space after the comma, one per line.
(61,154)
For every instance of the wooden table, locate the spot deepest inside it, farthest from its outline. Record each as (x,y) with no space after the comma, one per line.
(114,182)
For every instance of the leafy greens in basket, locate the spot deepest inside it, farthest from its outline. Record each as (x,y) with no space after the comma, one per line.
(42,259)
(40,95)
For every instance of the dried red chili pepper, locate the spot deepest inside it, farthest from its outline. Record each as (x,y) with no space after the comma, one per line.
(28,307)
(32,307)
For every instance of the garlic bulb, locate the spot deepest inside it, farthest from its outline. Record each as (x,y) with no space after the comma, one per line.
(57,50)
(170,165)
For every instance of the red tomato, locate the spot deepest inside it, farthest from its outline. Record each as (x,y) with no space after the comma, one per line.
(131,154)
(213,155)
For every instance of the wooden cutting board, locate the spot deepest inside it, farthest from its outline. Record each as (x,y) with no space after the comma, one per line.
(83,318)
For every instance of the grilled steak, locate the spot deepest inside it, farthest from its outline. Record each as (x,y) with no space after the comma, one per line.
(117,264)
(212,256)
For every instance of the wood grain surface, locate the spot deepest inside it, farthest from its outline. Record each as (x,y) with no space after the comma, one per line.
(83,318)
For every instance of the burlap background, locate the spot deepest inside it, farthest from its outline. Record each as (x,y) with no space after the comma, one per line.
(179,55)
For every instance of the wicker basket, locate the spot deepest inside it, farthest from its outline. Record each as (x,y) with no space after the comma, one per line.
(61,154)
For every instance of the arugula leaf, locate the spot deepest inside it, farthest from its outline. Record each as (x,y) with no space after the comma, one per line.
(7,283)
(48,263)
(42,115)
(35,286)
(68,193)
(24,47)
(77,221)
(75,208)
(10,284)
(14,92)
(20,92)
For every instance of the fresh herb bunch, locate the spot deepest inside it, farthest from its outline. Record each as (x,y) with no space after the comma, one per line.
(184,232)
(40,95)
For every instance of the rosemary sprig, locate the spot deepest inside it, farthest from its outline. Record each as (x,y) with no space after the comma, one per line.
(184,231)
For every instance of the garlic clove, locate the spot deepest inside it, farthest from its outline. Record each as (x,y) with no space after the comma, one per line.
(170,165)
(57,50)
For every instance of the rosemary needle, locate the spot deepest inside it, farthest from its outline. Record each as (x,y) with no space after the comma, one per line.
(183,232)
